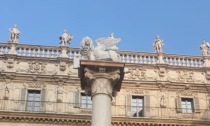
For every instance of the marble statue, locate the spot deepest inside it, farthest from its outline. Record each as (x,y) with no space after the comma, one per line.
(6,93)
(14,34)
(105,49)
(86,48)
(205,48)
(158,44)
(162,101)
(65,38)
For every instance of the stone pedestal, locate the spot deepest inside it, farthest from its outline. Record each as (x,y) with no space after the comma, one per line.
(207,66)
(13,48)
(160,58)
(63,51)
(101,80)
(206,61)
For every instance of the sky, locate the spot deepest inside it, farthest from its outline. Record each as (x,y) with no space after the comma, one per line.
(181,24)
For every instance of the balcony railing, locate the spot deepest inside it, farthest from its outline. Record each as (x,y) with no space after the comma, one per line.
(117,110)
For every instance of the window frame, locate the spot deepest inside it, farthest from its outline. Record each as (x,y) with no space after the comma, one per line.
(185,103)
(33,102)
(88,102)
(139,112)
(195,105)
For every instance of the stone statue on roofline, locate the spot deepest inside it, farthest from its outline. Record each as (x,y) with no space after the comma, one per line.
(65,38)
(158,45)
(205,48)
(14,34)
(105,49)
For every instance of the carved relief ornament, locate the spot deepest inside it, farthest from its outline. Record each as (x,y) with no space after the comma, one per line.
(186,93)
(162,72)
(36,84)
(185,76)
(163,86)
(101,82)
(62,66)
(136,91)
(141,73)
(37,67)
(10,61)
(181,76)
(137,73)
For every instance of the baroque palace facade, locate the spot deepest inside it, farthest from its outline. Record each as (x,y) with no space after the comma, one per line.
(40,86)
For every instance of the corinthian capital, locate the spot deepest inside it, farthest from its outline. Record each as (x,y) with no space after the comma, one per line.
(101,78)
(101,82)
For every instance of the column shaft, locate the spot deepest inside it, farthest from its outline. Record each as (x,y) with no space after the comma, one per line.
(101,113)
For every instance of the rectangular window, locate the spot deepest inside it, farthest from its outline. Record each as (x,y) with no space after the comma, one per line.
(33,100)
(137,105)
(187,105)
(86,101)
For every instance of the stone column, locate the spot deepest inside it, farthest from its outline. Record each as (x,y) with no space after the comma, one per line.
(101,81)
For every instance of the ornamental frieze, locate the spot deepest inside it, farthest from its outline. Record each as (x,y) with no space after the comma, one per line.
(186,76)
(36,85)
(37,67)
(140,73)
(136,91)
(186,93)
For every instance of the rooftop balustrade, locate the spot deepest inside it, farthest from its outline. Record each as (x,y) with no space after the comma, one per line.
(125,56)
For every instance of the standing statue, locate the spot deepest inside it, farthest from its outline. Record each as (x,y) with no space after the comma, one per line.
(86,48)
(162,101)
(65,38)
(105,50)
(158,44)
(14,34)
(205,48)
(6,93)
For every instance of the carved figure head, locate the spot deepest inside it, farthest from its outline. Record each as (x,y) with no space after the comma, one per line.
(87,42)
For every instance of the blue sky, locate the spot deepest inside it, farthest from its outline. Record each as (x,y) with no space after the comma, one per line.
(182,24)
